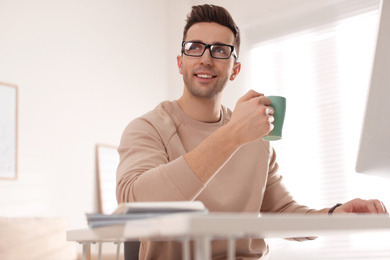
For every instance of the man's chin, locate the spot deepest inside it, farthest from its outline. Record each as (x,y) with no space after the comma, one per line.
(207,90)
(208,94)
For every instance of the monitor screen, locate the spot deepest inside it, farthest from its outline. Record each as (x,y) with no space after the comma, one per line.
(374,148)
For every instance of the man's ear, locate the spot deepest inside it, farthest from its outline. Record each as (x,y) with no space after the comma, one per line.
(236,70)
(180,63)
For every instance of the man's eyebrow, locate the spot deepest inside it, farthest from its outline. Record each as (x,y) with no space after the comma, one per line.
(198,41)
(187,40)
(220,43)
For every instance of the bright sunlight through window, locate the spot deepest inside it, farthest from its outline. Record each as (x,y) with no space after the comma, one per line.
(324,73)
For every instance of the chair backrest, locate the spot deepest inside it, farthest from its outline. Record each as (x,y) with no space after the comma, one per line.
(131,250)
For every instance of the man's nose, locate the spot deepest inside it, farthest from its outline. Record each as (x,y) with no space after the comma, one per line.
(206,58)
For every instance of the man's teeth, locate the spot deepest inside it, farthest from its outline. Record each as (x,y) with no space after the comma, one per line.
(206,76)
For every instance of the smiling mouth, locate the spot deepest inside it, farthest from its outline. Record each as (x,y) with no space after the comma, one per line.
(205,76)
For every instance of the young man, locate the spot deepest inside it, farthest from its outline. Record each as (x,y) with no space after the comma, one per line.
(197,149)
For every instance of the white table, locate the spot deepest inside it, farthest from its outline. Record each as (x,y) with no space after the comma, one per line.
(202,228)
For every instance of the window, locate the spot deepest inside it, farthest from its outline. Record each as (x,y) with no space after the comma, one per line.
(324,73)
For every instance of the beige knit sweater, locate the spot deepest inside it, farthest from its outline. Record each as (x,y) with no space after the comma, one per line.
(152,168)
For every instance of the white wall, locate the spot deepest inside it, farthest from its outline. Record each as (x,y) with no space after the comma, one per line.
(84,69)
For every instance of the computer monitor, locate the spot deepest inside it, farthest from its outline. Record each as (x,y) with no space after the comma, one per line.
(374,148)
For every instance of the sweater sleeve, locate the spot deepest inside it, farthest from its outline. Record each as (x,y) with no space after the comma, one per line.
(277,199)
(149,170)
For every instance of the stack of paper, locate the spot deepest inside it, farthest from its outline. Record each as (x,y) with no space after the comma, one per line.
(138,210)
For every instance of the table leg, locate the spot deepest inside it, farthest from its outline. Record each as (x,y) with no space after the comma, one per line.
(203,248)
(86,250)
(100,251)
(231,248)
(186,249)
(118,250)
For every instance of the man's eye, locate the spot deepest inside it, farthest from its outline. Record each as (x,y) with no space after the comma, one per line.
(194,47)
(220,50)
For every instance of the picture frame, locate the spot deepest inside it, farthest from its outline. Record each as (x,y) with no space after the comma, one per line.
(8,131)
(107,159)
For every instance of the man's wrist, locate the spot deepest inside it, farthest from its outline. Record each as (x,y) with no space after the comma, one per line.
(332,209)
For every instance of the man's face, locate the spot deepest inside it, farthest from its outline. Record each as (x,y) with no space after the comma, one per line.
(206,76)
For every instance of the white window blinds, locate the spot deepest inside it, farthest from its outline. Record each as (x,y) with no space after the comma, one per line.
(323,69)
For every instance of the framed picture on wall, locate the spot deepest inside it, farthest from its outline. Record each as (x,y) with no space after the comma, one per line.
(8,131)
(107,162)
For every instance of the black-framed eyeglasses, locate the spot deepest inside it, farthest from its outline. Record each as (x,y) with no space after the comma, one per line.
(217,51)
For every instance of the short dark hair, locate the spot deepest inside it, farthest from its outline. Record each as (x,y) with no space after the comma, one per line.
(212,13)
